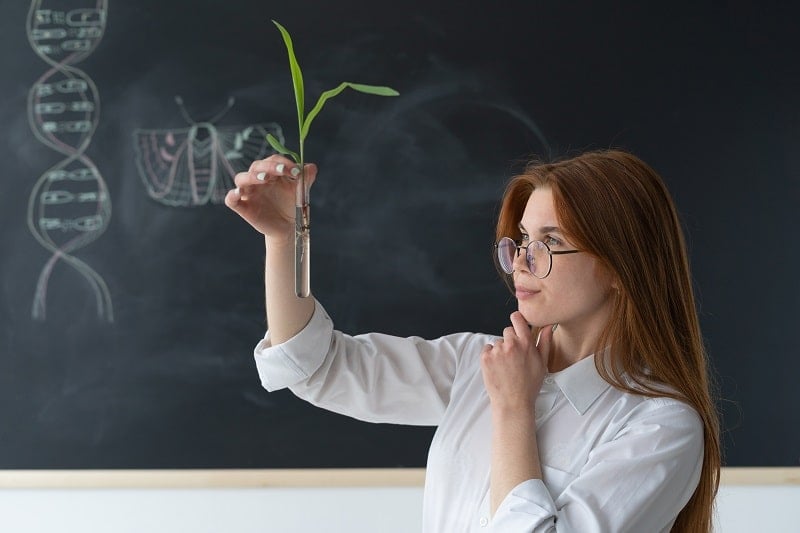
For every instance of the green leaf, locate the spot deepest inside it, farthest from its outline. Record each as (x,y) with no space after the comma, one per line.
(327,95)
(276,144)
(297,75)
(378,90)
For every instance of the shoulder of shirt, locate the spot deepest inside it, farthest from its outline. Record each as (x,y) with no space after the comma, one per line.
(665,394)
(660,406)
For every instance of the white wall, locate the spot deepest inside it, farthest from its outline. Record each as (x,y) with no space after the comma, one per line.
(746,508)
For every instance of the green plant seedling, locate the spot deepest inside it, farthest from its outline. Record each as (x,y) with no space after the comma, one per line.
(304,120)
(302,236)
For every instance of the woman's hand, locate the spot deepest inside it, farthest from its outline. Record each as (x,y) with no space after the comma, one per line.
(514,367)
(265,195)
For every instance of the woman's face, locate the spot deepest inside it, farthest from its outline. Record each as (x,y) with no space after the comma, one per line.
(577,293)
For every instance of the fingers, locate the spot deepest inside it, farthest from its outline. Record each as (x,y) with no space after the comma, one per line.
(520,339)
(519,332)
(275,164)
(266,171)
(520,325)
(486,352)
(311,173)
(271,169)
(233,198)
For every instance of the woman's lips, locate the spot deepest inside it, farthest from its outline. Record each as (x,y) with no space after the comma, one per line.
(525,293)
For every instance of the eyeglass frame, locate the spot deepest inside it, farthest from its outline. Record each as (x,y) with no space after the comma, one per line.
(519,247)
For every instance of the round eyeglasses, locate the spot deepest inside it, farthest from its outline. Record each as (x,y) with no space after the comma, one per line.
(538,255)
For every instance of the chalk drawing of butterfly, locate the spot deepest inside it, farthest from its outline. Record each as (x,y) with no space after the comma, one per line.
(195,166)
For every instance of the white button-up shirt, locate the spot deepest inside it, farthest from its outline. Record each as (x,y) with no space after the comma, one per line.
(611,461)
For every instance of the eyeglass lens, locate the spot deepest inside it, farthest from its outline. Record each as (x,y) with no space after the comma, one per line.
(535,254)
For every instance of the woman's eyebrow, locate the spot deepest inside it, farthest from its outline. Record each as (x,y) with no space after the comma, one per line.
(549,229)
(542,230)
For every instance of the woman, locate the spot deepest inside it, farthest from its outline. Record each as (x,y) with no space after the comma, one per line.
(592,412)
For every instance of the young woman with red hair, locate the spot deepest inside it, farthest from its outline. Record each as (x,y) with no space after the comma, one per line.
(592,412)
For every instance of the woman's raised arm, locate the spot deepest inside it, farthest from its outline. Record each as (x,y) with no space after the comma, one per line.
(265,197)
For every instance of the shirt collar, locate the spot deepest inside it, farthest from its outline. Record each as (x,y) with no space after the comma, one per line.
(581,384)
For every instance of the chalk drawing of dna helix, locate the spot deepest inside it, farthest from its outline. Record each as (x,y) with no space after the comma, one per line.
(69,206)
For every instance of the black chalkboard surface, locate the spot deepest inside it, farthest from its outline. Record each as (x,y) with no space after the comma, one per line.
(131,299)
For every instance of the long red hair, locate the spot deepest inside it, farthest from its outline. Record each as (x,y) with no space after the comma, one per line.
(614,206)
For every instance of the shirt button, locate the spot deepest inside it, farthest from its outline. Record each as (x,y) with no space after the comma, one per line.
(484,521)
(548,380)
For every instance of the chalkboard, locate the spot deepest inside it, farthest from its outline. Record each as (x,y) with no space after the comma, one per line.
(131,299)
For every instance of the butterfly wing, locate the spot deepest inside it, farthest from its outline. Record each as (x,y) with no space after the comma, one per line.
(237,148)
(162,161)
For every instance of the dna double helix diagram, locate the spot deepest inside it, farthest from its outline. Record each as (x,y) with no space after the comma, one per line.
(69,206)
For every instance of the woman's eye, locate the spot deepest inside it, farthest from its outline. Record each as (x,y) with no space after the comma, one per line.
(524,238)
(551,241)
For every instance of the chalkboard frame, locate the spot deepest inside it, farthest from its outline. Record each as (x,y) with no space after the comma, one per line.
(297,478)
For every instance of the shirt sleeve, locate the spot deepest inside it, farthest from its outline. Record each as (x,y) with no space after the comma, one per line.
(372,377)
(638,481)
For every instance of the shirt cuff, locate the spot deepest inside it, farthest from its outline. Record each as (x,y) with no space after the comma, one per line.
(298,358)
(528,507)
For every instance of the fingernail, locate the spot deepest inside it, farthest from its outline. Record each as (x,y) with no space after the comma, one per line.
(237,192)
(295,171)
(279,168)
(261,175)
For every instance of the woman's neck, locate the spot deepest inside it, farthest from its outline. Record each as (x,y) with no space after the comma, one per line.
(574,341)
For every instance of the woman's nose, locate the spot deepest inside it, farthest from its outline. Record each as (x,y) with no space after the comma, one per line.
(521,260)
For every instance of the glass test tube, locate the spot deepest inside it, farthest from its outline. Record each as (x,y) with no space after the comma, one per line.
(302,238)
